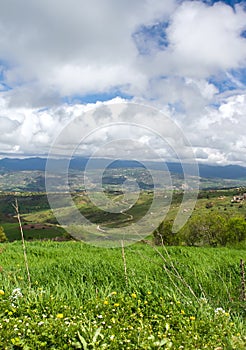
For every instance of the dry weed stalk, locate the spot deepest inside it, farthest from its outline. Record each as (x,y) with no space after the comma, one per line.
(243,294)
(124,261)
(16,207)
(175,274)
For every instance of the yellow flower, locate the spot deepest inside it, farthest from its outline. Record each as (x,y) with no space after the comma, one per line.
(227,314)
(134,295)
(182,312)
(113,293)
(192,318)
(149,293)
(59,316)
(105,302)
(116,305)
(1,292)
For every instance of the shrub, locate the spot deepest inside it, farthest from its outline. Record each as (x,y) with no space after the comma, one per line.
(164,234)
(3,237)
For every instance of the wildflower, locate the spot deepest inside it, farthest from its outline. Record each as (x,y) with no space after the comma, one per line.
(105,302)
(204,300)
(59,316)
(113,293)
(40,323)
(192,318)
(116,304)
(112,337)
(148,292)
(16,294)
(227,314)
(219,310)
(134,295)
(182,312)
(1,292)
(100,316)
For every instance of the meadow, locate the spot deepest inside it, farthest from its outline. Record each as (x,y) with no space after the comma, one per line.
(85,297)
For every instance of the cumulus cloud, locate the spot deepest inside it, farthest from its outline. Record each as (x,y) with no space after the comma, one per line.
(75,47)
(207,38)
(169,54)
(218,136)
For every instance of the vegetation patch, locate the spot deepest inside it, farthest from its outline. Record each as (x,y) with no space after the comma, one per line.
(79,298)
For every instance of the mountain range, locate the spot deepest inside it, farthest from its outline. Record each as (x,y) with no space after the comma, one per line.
(79,163)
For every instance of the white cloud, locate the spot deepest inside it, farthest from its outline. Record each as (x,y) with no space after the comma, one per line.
(218,136)
(84,47)
(52,49)
(74,46)
(205,39)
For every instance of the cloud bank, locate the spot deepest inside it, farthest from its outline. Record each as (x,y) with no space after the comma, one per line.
(186,58)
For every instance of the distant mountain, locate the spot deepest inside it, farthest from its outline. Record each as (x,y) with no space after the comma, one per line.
(79,163)
(17,164)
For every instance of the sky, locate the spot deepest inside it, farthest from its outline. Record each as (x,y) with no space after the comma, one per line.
(60,59)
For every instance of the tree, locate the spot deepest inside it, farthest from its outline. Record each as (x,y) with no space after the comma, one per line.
(3,237)
(164,234)
(206,229)
(236,230)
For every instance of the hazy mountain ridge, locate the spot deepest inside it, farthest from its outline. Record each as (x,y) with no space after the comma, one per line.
(79,163)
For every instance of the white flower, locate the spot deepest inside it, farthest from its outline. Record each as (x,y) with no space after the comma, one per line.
(219,310)
(16,294)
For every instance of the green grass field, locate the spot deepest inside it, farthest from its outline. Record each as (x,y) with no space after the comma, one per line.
(83,297)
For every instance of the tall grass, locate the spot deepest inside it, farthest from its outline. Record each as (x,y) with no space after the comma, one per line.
(73,267)
(110,298)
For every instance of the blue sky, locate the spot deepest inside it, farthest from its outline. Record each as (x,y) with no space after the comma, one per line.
(186,58)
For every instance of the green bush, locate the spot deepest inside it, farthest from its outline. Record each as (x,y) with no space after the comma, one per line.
(3,237)
(207,229)
(164,234)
